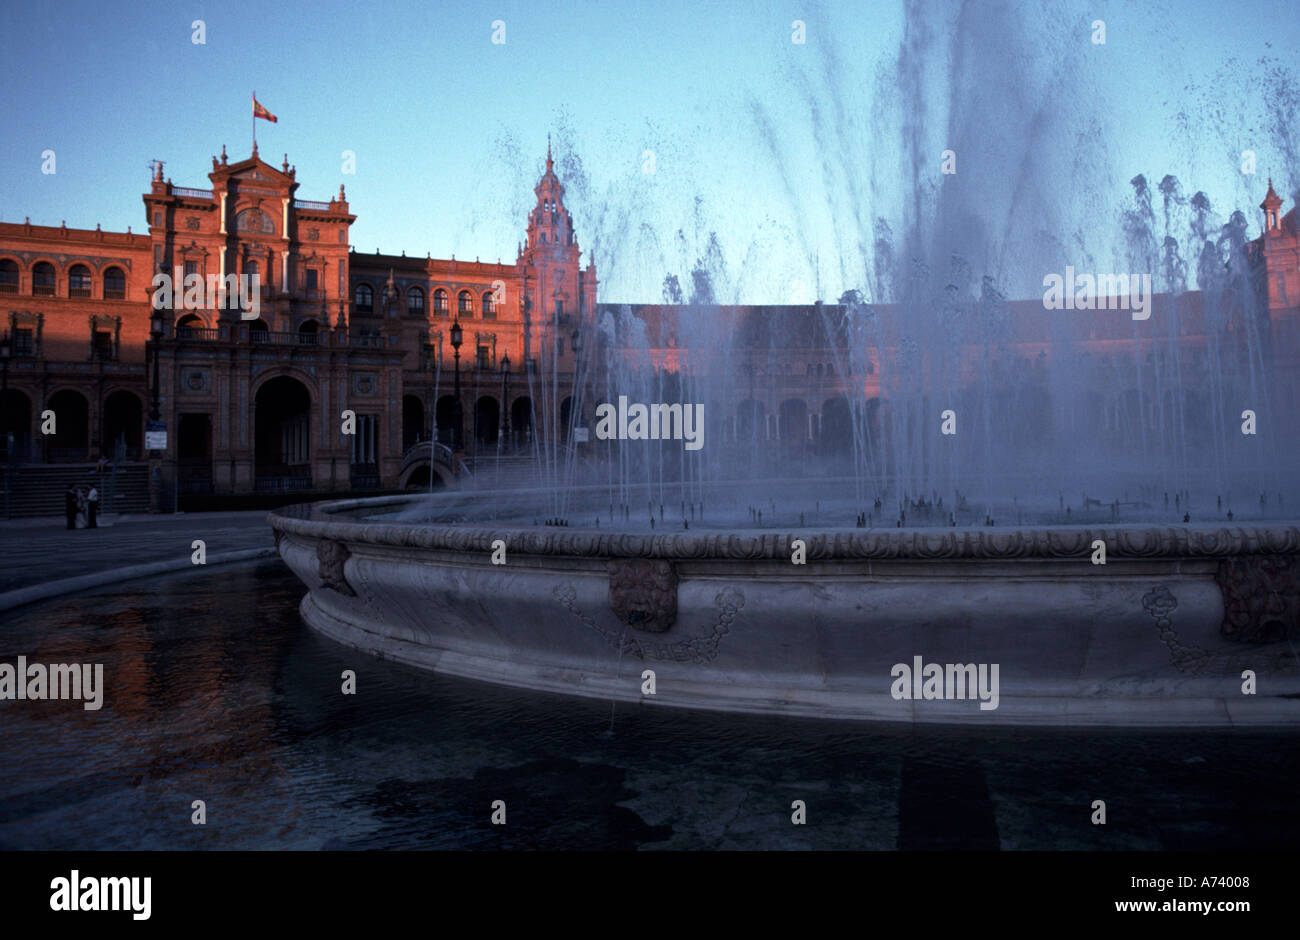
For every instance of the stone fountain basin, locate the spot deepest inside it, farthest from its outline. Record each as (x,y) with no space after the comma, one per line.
(1158,636)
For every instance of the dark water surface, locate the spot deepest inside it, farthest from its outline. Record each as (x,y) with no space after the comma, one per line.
(217,691)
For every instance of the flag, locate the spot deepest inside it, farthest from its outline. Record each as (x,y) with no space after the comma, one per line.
(261,112)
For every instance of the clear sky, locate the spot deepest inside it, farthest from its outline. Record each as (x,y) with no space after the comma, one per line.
(787,152)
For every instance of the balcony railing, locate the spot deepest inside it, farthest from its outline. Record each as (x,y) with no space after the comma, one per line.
(308,204)
(192,193)
(197,333)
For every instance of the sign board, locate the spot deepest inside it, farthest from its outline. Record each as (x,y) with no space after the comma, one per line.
(580,435)
(155,435)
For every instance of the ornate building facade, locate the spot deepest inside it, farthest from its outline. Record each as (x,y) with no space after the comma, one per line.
(348,361)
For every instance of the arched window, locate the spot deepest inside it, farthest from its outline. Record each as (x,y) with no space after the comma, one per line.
(415,302)
(43,279)
(8,276)
(259,332)
(489,312)
(365,299)
(440,302)
(465,304)
(187,324)
(307,331)
(79,281)
(114,284)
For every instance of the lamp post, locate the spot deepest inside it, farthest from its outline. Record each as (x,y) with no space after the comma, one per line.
(505,399)
(457,337)
(156,321)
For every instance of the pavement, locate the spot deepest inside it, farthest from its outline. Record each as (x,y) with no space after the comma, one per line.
(41,558)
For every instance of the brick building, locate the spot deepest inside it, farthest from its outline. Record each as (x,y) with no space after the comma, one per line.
(255,399)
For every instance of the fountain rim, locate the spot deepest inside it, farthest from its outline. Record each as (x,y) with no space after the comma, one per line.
(1123,542)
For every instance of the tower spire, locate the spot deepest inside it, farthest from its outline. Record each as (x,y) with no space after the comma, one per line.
(549,162)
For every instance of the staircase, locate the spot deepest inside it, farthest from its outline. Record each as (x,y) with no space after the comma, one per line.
(513,473)
(37,489)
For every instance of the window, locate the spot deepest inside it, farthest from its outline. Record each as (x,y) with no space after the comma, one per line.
(489,312)
(363,442)
(365,299)
(313,279)
(43,279)
(8,277)
(559,346)
(465,304)
(415,302)
(103,344)
(484,357)
(24,341)
(440,302)
(79,281)
(191,267)
(114,284)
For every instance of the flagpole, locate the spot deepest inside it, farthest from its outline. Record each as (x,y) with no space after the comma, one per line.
(254,121)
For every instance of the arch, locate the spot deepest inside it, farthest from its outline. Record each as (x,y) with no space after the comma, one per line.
(440,302)
(445,417)
(15,425)
(307,332)
(412,421)
(79,282)
(566,409)
(187,324)
(837,426)
(70,442)
(521,421)
(258,331)
(282,434)
(415,301)
(8,276)
(465,304)
(487,420)
(43,279)
(114,283)
(489,311)
(122,422)
(751,420)
(793,421)
(363,298)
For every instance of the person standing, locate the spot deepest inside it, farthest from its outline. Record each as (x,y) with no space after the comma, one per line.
(70,505)
(92,506)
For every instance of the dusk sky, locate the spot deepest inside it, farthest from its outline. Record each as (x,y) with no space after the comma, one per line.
(787,151)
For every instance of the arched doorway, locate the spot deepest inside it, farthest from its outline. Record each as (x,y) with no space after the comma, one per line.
(837,426)
(487,418)
(282,435)
(794,423)
(751,421)
(521,421)
(445,416)
(70,442)
(15,425)
(187,325)
(412,422)
(123,418)
(307,331)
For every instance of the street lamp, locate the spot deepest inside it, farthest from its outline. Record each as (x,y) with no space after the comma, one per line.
(457,337)
(505,398)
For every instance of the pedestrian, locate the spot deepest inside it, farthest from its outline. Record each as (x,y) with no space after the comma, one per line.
(92,506)
(70,507)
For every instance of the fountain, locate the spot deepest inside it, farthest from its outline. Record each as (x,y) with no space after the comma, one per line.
(1068,497)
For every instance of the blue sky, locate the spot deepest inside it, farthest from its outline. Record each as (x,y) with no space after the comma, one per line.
(787,153)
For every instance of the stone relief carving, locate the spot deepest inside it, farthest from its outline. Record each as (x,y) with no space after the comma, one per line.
(643,593)
(1261,597)
(696,649)
(1191,660)
(330,557)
